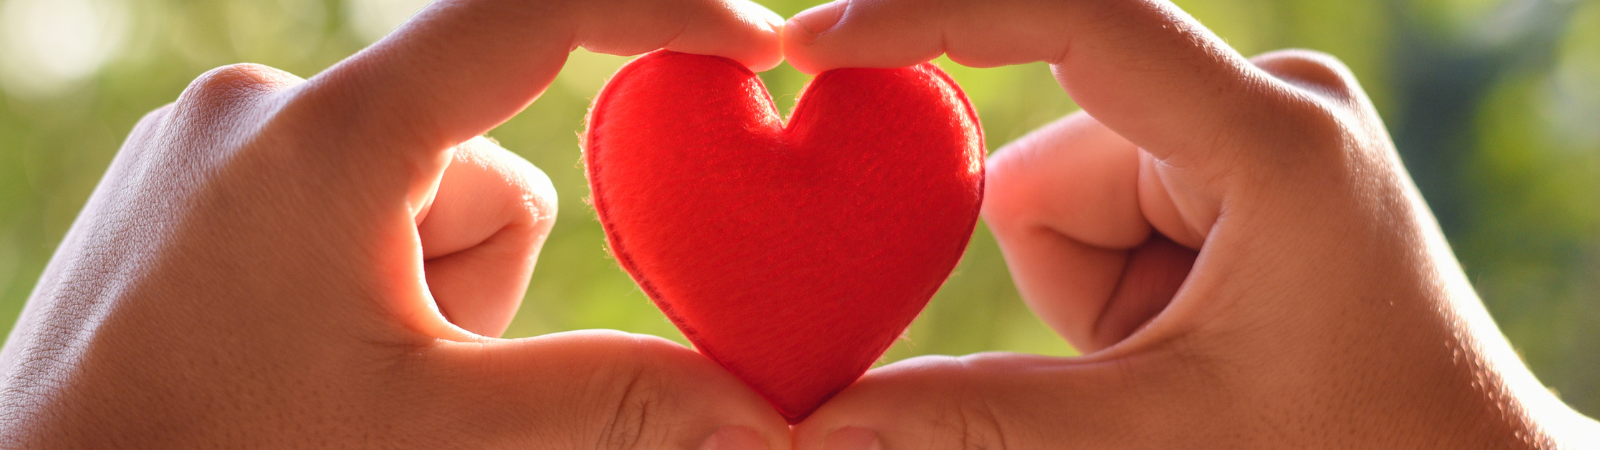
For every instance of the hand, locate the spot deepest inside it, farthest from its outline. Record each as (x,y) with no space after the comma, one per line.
(1323,308)
(270,261)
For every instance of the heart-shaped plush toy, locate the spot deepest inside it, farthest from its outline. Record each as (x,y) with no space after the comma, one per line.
(793,256)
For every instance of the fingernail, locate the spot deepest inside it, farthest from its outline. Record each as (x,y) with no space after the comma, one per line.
(735,437)
(819,19)
(852,438)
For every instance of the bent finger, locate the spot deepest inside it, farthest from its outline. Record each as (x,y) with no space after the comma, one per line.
(1067,207)
(1063,207)
(999,400)
(461,67)
(374,133)
(481,235)
(601,389)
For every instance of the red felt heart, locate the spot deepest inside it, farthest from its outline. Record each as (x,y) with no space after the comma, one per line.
(794,256)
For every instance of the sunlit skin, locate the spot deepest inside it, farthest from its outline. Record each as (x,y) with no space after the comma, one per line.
(283,263)
(260,264)
(1325,309)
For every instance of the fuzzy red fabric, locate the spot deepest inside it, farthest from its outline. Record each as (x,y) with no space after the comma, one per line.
(793,256)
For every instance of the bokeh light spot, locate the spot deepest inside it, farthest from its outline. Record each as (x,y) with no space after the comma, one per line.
(49,46)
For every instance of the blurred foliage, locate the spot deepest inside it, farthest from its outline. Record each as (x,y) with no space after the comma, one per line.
(1495,105)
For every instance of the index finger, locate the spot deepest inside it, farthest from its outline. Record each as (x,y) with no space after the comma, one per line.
(1144,68)
(461,67)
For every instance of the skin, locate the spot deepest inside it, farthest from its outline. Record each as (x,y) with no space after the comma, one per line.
(273,262)
(284,263)
(1233,243)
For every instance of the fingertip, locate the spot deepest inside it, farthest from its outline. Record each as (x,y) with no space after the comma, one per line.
(768,51)
(884,404)
(764,61)
(1073,177)
(539,195)
(817,20)
(800,32)
(791,42)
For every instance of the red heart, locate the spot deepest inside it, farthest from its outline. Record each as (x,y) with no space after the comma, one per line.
(794,256)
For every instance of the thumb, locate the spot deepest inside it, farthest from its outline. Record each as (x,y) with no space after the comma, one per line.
(1009,401)
(598,389)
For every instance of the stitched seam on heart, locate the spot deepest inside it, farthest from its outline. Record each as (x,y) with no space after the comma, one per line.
(591,149)
(613,237)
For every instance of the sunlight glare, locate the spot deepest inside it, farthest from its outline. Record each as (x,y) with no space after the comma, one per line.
(371,20)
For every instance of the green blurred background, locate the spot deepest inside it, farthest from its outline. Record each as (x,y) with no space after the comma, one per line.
(1495,105)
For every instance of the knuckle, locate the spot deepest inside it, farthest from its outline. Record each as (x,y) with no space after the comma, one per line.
(233,84)
(1321,114)
(529,195)
(638,395)
(1308,132)
(980,426)
(964,418)
(537,192)
(225,108)
(1316,125)
(1314,71)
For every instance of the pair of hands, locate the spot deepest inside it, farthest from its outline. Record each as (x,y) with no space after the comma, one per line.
(271,261)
